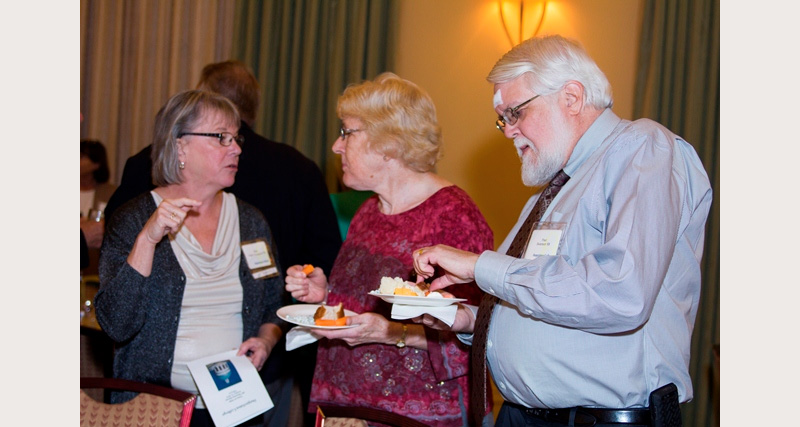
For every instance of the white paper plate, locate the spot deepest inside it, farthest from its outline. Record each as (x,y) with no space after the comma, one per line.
(418,301)
(302,314)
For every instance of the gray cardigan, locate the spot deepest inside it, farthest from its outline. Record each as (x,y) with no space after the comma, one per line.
(141,313)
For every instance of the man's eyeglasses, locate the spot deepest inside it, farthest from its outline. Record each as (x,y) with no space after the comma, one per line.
(510,115)
(343,133)
(225,138)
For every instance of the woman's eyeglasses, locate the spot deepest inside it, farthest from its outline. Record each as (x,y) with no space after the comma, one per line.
(225,138)
(343,133)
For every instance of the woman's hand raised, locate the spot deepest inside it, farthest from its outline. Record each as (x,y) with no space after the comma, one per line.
(168,218)
(311,287)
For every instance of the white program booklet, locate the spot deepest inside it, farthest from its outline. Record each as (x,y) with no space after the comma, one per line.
(231,388)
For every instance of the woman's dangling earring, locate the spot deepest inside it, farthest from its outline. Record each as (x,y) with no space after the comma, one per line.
(181,165)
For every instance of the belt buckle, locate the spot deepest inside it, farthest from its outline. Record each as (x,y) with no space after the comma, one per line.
(617,416)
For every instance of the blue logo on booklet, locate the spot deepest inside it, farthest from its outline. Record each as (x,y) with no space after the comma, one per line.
(224,374)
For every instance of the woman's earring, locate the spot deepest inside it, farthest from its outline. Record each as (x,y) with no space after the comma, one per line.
(181,165)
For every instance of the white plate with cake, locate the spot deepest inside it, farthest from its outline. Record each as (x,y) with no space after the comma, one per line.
(398,291)
(311,315)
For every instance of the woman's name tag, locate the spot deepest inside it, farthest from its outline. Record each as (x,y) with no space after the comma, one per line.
(259,259)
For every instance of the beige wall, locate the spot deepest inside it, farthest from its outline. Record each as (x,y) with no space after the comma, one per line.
(448,48)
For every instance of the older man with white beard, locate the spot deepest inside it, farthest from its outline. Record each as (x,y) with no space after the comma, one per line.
(592,297)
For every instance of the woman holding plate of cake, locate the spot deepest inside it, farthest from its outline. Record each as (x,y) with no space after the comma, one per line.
(389,143)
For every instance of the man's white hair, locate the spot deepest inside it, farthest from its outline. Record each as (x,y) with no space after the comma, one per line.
(551,62)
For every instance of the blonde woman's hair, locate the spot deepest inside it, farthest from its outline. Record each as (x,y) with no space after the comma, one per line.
(398,117)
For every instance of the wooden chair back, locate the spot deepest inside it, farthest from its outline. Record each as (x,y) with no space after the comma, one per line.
(368,414)
(154,406)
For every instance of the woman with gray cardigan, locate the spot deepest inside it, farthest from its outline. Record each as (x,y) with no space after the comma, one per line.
(188,270)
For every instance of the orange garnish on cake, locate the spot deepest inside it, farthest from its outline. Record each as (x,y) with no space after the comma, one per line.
(405,291)
(398,286)
(342,321)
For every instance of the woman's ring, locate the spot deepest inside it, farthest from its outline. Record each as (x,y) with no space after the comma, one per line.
(172,216)
(419,252)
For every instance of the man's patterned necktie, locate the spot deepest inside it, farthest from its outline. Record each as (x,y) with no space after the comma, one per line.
(481,330)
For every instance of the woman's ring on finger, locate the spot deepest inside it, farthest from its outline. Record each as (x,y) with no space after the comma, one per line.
(419,252)
(172,216)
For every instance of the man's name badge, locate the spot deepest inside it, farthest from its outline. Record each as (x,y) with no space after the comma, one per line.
(259,259)
(545,239)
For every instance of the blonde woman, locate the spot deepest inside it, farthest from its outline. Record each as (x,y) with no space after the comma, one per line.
(389,143)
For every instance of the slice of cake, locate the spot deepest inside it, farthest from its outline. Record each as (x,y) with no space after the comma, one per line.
(398,286)
(330,316)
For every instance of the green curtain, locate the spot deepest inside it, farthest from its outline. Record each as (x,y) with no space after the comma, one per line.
(678,85)
(304,53)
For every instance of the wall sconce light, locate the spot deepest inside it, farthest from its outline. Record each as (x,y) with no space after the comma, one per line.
(515,13)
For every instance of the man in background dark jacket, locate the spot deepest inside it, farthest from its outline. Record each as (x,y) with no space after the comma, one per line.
(289,190)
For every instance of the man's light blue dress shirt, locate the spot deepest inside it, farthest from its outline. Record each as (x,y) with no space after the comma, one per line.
(610,318)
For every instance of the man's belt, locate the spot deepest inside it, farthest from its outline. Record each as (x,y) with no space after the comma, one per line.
(580,416)
(664,411)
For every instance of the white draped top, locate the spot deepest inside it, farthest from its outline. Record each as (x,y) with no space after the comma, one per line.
(211,313)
